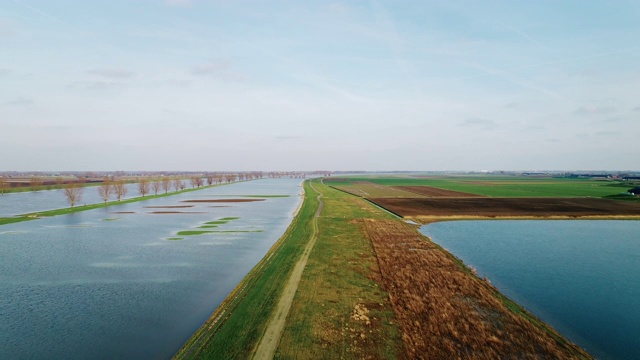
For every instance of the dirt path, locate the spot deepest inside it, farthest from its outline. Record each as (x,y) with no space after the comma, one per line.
(266,349)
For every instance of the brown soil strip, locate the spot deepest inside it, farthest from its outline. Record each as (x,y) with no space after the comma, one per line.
(505,207)
(223,200)
(123,212)
(170,207)
(445,312)
(177,212)
(435,192)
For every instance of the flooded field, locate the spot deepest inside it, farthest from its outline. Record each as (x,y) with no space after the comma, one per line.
(579,276)
(136,280)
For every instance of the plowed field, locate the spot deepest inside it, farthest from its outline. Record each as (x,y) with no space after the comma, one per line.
(446,313)
(491,207)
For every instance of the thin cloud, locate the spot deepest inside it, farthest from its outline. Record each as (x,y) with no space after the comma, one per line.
(112,73)
(478,123)
(338,8)
(511,105)
(4,72)
(220,69)
(178,3)
(212,67)
(21,101)
(6,29)
(95,85)
(594,110)
(637,108)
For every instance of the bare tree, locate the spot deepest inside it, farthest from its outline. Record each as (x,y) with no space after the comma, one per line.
(166,184)
(120,189)
(73,192)
(59,182)
(4,185)
(177,184)
(194,181)
(36,182)
(210,179)
(106,189)
(156,185)
(143,186)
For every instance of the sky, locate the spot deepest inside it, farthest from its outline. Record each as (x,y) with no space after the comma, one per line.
(222,85)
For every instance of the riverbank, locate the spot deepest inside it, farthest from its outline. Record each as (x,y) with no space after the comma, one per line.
(365,293)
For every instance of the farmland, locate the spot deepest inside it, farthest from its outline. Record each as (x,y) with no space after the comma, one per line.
(372,288)
(498,186)
(425,199)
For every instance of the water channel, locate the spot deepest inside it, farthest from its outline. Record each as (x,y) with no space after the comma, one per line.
(109,283)
(582,277)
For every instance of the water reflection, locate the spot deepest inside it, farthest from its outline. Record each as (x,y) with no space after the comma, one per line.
(86,286)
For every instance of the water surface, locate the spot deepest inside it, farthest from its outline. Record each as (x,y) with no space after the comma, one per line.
(582,277)
(106,283)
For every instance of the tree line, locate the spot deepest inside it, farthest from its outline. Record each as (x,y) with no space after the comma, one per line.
(146,185)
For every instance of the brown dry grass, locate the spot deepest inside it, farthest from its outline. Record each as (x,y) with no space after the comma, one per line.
(447,313)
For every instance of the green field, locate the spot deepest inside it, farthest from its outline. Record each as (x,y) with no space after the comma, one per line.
(505,186)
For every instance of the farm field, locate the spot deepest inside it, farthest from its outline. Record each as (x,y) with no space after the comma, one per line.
(496,186)
(373,288)
(508,207)
(466,196)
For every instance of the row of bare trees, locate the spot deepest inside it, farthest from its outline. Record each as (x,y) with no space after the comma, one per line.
(4,185)
(146,185)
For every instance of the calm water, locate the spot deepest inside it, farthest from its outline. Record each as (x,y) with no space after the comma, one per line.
(99,284)
(582,277)
(26,202)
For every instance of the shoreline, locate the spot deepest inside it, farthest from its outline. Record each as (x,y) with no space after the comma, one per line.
(213,337)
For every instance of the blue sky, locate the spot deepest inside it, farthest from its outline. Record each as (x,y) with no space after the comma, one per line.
(282,85)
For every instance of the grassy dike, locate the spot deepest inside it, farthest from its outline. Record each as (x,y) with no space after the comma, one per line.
(336,298)
(79,208)
(235,328)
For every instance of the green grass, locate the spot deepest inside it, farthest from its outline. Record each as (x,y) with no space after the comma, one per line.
(507,186)
(229,218)
(175,238)
(217,222)
(110,219)
(341,272)
(336,278)
(251,303)
(193,232)
(207,226)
